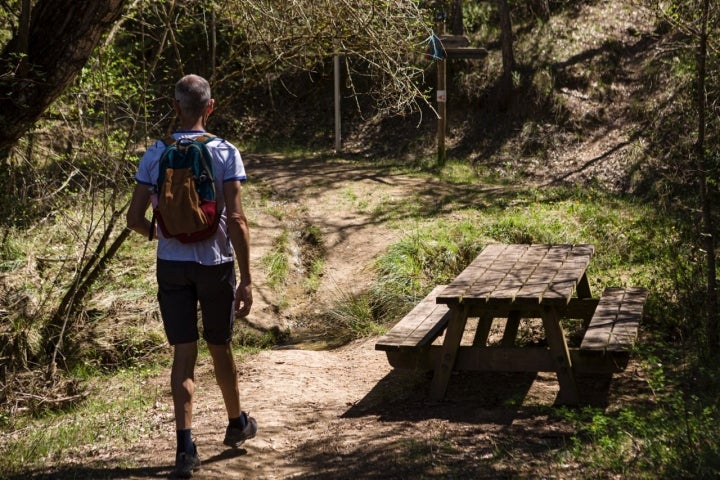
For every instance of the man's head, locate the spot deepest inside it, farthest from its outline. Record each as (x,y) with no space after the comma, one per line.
(192,94)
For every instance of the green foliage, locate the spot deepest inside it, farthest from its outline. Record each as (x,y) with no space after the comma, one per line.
(109,417)
(8,20)
(250,340)
(356,315)
(478,17)
(11,254)
(276,261)
(673,437)
(434,254)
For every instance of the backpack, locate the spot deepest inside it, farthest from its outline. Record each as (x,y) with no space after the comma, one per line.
(186,205)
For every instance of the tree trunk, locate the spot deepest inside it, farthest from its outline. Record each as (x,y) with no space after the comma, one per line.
(508,57)
(456,18)
(23,34)
(708,236)
(62,35)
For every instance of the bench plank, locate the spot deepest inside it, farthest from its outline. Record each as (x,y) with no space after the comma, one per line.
(614,325)
(420,327)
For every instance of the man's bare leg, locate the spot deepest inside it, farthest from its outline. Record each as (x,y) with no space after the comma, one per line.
(226,375)
(241,427)
(182,383)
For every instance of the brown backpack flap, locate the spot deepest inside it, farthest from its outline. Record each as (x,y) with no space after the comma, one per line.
(179,203)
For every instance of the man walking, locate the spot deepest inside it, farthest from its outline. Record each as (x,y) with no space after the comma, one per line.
(204,272)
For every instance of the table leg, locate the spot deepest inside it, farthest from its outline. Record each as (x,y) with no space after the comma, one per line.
(443,369)
(483,330)
(568,394)
(583,287)
(511,328)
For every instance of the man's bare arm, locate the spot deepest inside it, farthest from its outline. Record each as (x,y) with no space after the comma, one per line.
(239,233)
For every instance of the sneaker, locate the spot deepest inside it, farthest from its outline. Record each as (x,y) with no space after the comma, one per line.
(234,437)
(186,464)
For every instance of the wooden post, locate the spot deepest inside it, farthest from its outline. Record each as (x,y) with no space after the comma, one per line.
(441,98)
(442,110)
(456,17)
(338,138)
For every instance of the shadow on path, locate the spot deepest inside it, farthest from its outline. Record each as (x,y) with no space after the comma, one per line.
(98,472)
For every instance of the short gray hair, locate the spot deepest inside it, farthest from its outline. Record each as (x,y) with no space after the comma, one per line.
(193,93)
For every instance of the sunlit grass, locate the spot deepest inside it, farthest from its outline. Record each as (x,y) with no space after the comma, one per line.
(438,245)
(114,413)
(276,261)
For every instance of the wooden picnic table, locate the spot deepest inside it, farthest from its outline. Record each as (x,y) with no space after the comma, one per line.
(520,281)
(511,283)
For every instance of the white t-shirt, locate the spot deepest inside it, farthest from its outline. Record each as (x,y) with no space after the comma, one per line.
(227,167)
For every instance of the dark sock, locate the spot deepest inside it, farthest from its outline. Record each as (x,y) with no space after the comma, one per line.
(239,422)
(184,441)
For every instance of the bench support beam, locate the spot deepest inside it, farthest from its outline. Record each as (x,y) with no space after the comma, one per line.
(500,359)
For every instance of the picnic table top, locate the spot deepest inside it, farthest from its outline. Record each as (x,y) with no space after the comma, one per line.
(520,274)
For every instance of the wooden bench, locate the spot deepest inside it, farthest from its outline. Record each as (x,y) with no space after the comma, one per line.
(613,327)
(418,329)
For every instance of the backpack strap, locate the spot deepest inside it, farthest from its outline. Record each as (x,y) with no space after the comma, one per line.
(167,141)
(205,137)
(153,223)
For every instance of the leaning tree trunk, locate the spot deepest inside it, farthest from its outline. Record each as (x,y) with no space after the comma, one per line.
(40,62)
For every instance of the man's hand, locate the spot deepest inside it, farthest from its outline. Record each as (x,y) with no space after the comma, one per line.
(243,300)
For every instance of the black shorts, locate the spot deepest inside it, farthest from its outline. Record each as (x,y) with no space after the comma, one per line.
(181,285)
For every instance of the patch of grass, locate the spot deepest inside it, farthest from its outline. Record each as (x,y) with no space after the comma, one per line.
(459,172)
(313,256)
(674,438)
(11,253)
(276,261)
(431,254)
(355,316)
(115,413)
(314,274)
(438,247)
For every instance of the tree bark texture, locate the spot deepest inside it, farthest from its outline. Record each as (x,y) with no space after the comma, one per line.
(456,18)
(708,234)
(508,58)
(62,35)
